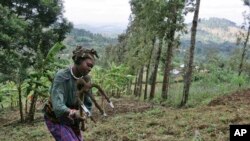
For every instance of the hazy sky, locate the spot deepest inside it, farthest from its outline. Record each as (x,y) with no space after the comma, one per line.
(117,11)
(97,11)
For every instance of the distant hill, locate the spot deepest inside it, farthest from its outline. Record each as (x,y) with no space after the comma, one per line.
(109,30)
(213,33)
(215,30)
(87,39)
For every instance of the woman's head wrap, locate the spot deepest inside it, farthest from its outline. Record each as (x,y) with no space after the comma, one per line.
(81,53)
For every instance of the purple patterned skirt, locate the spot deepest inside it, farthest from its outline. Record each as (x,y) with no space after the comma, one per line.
(62,132)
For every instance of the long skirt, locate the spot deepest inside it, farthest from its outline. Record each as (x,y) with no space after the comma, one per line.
(62,132)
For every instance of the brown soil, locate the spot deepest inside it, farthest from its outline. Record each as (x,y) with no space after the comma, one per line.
(122,106)
(239,97)
(8,116)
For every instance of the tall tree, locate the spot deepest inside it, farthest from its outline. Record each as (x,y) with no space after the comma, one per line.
(244,37)
(151,14)
(148,68)
(176,23)
(155,70)
(45,25)
(14,62)
(189,65)
(153,18)
(12,30)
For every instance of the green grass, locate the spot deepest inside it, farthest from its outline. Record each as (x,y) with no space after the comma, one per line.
(200,92)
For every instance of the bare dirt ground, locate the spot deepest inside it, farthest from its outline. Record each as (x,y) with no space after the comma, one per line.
(123,106)
(240,97)
(8,116)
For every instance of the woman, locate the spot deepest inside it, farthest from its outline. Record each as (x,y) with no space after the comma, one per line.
(61,112)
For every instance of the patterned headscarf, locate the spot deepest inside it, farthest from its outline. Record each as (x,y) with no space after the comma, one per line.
(83,53)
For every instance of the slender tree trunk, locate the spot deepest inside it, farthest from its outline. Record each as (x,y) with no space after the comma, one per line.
(168,62)
(26,106)
(140,81)
(146,82)
(136,84)
(243,53)
(29,89)
(32,109)
(155,69)
(166,76)
(113,91)
(188,72)
(148,68)
(11,102)
(117,92)
(128,87)
(20,101)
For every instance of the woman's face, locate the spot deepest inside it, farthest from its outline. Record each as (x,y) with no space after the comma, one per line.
(86,66)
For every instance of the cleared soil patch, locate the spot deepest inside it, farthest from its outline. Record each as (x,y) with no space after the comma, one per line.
(240,97)
(123,106)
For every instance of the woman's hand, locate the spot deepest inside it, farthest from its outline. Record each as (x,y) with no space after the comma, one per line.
(75,114)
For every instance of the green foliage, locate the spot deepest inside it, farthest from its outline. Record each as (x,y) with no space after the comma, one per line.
(30,57)
(114,78)
(8,93)
(217,75)
(41,77)
(239,80)
(50,60)
(45,23)
(12,28)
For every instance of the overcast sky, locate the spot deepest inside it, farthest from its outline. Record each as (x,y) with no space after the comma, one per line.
(117,11)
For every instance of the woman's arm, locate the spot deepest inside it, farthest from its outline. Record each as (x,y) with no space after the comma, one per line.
(57,96)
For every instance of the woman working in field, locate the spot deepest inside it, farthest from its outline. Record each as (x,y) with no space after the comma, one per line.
(61,112)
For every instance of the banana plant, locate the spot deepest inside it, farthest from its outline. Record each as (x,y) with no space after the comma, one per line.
(8,93)
(42,76)
(115,78)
